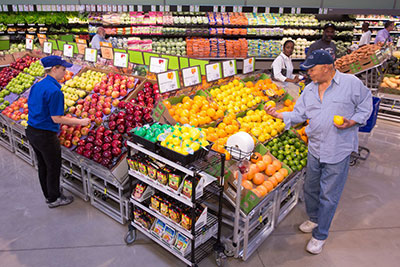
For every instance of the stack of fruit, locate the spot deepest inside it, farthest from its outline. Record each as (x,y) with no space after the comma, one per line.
(197,111)
(6,75)
(148,96)
(70,135)
(18,110)
(93,107)
(20,83)
(234,97)
(290,150)
(150,132)
(35,69)
(68,76)
(266,87)
(263,175)
(114,85)
(303,135)
(71,95)
(23,62)
(288,106)
(86,81)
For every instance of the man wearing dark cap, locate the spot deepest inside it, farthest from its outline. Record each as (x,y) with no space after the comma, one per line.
(325,43)
(46,112)
(331,93)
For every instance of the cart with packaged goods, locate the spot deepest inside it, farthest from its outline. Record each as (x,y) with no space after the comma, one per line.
(189,231)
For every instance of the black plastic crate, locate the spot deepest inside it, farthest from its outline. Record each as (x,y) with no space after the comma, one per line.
(144,142)
(184,159)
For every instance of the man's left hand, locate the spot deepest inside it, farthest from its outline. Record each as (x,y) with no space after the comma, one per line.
(346,124)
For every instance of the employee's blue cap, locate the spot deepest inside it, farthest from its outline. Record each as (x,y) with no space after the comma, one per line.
(317,57)
(52,61)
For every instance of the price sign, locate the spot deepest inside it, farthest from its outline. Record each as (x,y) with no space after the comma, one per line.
(119,8)
(29,44)
(153,8)
(5,8)
(213,72)
(47,47)
(191,76)
(106,50)
(68,50)
(125,8)
(91,54)
(168,81)
(99,9)
(248,65)
(179,8)
(158,64)
(166,8)
(131,8)
(281,10)
(162,8)
(81,44)
(121,59)
(42,38)
(229,68)
(139,8)
(114,8)
(14,8)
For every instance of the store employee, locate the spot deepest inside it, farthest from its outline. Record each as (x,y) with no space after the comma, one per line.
(99,37)
(46,112)
(282,67)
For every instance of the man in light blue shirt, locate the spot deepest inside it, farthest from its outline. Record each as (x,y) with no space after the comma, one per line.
(383,36)
(99,37)
(330,145)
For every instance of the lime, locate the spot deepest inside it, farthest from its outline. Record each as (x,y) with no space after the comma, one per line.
(293,167)
(281,157)
(296,162)
(303,162)
(288,157)
(275,140)
(285,161)
(274,153)
(299,167)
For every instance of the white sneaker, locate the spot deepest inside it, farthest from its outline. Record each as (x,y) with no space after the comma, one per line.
(307,226)
(314,246)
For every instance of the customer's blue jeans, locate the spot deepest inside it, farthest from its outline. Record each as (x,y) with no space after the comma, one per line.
(323,187)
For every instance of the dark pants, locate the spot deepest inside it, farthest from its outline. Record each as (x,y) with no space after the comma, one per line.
(48,152)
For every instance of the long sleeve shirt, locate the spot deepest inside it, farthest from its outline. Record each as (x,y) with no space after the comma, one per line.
(282,62)
(383,36)
(96,41)
(346,96)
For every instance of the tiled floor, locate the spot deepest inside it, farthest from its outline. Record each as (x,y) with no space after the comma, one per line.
(365,231)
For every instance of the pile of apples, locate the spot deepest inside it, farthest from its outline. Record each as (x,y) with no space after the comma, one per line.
(101,145)
(6,75)
(115,85)
(71,95)
(23,62)
(70,135)
(129,117)
(20,83)
(148,96)
(93,106)
(14,112)
(86,81)
(35,69)
(68,76)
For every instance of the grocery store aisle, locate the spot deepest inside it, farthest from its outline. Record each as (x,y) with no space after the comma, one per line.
(365,231)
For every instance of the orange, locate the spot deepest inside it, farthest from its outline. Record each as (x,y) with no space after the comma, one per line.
(205,106)
(261,165)
(227,155)
(279,177)
(255,157)
(229,129)
(288,102)
(202,120)
(222,126)
(167,104)
(267,159)
(277,164)
(183,120)
(267,184)
(185,113)
(258,178)
(178,111)
(187,105)
(176,117)
(194,122)
(262,189)
(219,113)
(171,111)
(227,120)
(214,105)
(207,119)
(186,99)
(253,169)
(211,112)
(212,137)
(210,130)
(270,170)
(273,181)
(249,84)
(247,184)
(221,133)
(217,147)
(284,172)
(258,193)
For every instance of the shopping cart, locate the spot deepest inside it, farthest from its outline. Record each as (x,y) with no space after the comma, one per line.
(363,152)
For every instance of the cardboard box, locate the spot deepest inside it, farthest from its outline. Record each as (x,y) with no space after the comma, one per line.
(6,60)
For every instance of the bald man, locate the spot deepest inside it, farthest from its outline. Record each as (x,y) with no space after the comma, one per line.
(99,37)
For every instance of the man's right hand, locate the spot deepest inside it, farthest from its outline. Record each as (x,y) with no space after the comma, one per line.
(272,111)
(84,122)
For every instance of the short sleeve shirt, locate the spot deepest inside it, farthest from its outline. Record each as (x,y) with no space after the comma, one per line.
(45,100)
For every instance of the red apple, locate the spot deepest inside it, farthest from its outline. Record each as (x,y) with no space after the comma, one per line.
(67,143)
(84,114)
(75,140)
(84,131)
(115,94)
(92,117)
(98,120)
(115,102)
(107,111)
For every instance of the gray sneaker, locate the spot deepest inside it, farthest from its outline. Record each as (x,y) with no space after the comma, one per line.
(61,201)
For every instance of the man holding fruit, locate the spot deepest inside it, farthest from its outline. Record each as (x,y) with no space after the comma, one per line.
(336,105)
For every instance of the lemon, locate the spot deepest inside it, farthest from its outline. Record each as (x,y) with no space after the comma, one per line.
(338,120)
(274,132)
(195,146)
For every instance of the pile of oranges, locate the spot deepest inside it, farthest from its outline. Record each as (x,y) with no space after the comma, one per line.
(196,112)
(303,135)
(265,89)
(288,106)
(264,175)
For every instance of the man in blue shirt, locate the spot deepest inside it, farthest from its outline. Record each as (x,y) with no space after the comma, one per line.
(99,37)
(383,36)
(330,145)
(46,112)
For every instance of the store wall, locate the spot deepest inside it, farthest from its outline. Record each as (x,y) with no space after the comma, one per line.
(364,4)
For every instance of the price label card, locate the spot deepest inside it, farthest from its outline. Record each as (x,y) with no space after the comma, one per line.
(121,59)
(139,8)
(222,8)
(158,64)
(215,9)
(191,8)
(104,8)
(119,8)
(47,47)
(191,76)
(161,8)
(298,10)
(5,8)
(281,10)
(87,8)
(14,8)
(248,65)
(229,68)
(114,8)
(58,8)
(125,8)
(213,72)
(131,8)
(68,50)
(179,8)
(29,44)
(196,8)
(91,55)
(166,8)
(153,8)
(99,9)
(81,44)
(168,81)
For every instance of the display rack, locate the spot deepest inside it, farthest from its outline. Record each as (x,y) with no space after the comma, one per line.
(204,239)
(389,108)
(21,144)
(6,139)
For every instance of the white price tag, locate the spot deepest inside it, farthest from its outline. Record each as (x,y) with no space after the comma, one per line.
(20,8)
(119,8)
(158,64)
(222,8)
(191,76)
(293,10)
(125,8)
(121,59)
(215,8)
(235,8)
(14,8)
(281,10)
(73,8)
(179,8)
(88,8)
(161,8)
(248,65)
(213,72)
(99,8)
(320,10)
(5,8)
(114,8)
(255,9)
(53,8)
(240,8)
(325,11)
(197,8)
(31,8)
(93,8)
(191,8)
(90,54)
(298,10)
(153,8)
(47,47)
(267,10)
(26,8)
(104,8)
(109,8)
(1,8)
(29,44)
(139,8)
(229,68)
(68,50)
(168,81)
(58,8)
(166,8)
(131,8)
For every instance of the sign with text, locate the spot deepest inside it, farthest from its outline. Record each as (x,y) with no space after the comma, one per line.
(121,59)
(42,38)
(191,76)
(229,68)
(81,43)
(106,50)
(168,81)
(68,50)
(158,64)
(29,44)
(213,72)
(249,65)
(90,55)
(47,47)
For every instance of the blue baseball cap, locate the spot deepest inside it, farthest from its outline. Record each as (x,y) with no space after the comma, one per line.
(317,57)
(52,61)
